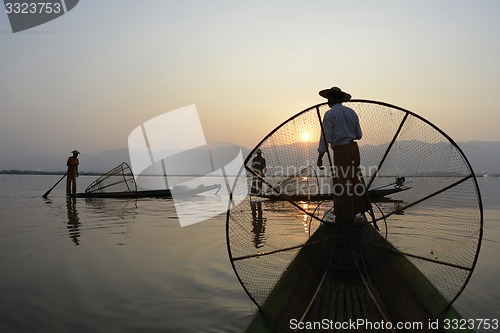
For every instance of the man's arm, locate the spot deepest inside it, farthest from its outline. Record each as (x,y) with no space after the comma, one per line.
(358,132)
(320,160)
(326,134)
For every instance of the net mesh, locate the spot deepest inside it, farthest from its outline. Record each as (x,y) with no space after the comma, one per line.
(294,266)
(117,180)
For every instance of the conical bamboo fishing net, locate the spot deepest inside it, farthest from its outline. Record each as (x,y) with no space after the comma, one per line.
(406,258)
(119,179)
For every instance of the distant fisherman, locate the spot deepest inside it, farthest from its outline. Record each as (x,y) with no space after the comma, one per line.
(259,167)
(72,165)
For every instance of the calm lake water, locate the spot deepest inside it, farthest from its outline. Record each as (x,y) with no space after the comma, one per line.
(127,266)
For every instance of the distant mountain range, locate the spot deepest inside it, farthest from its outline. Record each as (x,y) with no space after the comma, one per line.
(196,161)
(99,163)
(484,157)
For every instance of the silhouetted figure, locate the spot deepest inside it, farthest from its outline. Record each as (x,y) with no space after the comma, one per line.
(72,165)
(259,167)
(341,129)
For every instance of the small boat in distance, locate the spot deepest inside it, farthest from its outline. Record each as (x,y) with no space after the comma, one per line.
(376,195)
(119,182)
(168,193)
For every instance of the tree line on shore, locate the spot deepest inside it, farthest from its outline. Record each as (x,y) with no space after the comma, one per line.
(32,172)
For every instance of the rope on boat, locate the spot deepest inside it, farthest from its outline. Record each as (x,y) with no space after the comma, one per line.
(320,285)
(368,287)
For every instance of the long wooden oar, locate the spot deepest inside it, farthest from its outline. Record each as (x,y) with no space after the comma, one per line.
(47,193)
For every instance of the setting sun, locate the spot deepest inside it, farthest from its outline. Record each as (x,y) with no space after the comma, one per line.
(305,136)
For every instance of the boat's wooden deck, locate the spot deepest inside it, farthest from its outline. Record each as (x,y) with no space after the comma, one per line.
(361,280)
(343,300)
(345,297)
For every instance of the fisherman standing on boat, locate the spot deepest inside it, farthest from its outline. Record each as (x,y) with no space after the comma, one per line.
(341,129)
(259,167)
(72,165)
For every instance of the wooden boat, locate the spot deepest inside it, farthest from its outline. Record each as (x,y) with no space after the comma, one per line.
(345,280)
(167,193)
(119,182)
(375,195)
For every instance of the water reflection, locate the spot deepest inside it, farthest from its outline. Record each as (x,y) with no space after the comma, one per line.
(259,224)
(111,218)
(398,207)
(306,219)
(271,218)
(73,221)
(111,206)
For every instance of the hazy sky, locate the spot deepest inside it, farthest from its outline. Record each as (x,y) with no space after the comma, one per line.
(88,78)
